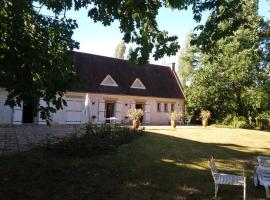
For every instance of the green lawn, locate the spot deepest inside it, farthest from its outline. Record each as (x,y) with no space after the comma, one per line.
(163,164)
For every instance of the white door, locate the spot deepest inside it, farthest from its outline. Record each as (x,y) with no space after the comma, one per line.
(17,115)
(5,111)
(147,113)
(74,111)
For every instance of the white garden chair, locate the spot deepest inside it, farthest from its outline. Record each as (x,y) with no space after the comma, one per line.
(180,122)
(226,179)
(188,121)
(262,174)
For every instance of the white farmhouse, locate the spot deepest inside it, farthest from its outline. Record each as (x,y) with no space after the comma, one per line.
(112,87)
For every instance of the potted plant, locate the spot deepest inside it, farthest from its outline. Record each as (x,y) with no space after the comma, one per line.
(174,116)
(205,115)
(135,115)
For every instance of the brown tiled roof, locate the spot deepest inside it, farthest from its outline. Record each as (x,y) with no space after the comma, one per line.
(159,80)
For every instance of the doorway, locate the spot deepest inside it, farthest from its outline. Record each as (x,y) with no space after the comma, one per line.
(140,106)
(28,113)
(109,112)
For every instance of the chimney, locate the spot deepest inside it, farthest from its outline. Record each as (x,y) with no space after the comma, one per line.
(173,66)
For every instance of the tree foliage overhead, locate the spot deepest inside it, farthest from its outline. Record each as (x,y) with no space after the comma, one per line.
(138,23)
(36,50)
(120,50)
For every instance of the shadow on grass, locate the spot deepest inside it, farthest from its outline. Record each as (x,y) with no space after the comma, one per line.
(153,167)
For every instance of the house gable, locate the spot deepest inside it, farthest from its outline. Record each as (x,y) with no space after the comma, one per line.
(137,84)
(108,81)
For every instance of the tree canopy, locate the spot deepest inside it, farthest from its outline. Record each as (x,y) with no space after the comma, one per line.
(188,59)
(233,74)
(120,50)
(35,55)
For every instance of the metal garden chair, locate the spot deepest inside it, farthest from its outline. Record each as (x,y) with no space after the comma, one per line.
(262,174)
(226,179)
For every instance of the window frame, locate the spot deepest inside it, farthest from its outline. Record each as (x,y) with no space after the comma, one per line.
(158,107)
(165,107)
(172,107)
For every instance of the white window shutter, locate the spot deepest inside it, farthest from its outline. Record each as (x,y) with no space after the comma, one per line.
(169,107)
(101,111)
(147,108)
(132,105)
(118,111)
(162,107)
(17,115)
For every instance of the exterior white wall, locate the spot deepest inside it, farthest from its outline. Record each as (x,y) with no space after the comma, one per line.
(5,111)
(124,102)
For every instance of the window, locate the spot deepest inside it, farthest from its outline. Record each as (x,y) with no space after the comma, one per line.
(108,81)
(172,107)
(137,84)
(165,107)
(158,107)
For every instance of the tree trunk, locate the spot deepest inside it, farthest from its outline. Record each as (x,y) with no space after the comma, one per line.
(239,104)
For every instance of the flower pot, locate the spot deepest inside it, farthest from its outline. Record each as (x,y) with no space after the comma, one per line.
(173,123)
(136,124)
(205,122)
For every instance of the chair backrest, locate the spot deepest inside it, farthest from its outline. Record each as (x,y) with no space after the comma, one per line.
(263,173)
(264,161)
(213,167)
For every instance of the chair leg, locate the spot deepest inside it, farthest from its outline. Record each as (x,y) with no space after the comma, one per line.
(216,190)
(244,196)
(267,191)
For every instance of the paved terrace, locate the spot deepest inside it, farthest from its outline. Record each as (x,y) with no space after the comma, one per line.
(17,138)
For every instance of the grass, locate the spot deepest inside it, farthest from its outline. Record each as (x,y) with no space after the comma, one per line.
(163,164)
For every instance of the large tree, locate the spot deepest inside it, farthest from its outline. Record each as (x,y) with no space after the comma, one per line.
(36,58)
(36,50)
(232,77)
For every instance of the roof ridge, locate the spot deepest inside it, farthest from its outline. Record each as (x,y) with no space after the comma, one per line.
(108,57)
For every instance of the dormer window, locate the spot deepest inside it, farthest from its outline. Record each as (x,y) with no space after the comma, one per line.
(137,84)
(108,81)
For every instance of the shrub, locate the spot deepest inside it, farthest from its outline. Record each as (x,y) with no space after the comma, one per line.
(239,122)
(236,122)
(228,120)
(96,139)
(262,120)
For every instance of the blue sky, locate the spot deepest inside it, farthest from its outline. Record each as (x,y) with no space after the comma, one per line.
(97,39)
